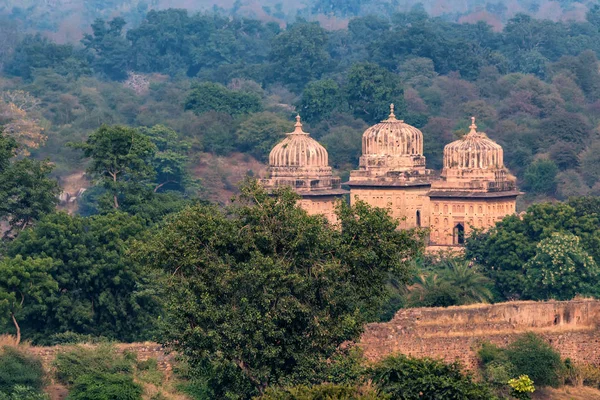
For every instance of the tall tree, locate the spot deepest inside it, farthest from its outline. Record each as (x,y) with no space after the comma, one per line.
(121,160)
(109,48)
(264,294)
(371,89)
(100,292)
(299,55)
(24,283)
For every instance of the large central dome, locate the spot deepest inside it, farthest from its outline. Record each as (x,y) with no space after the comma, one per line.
(392,144)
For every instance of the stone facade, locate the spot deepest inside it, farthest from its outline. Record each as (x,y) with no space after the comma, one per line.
(474,189)
(456,333)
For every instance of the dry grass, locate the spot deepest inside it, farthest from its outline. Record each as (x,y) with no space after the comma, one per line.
(511,331)
(567,393)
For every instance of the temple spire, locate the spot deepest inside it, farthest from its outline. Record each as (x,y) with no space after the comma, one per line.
(473,127)
(392,115)
(298,126)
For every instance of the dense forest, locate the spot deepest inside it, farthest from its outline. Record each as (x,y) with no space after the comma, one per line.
(153,114)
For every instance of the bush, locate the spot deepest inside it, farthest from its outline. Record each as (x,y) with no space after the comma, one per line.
(24,393)
(323,392)
(533,357)
(410,378)
(100,386)
(101,360)
(18,369)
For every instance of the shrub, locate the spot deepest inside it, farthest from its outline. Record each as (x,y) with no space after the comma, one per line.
(323,392)
(533,357)
(99,386)
(79,361)
(20,392)
(410,378)
(18,369)
(521,387)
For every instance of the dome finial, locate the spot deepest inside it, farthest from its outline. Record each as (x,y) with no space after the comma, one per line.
(392,115)
(298,127)
(473,127)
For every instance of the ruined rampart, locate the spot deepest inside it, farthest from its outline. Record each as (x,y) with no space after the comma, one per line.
(455,333)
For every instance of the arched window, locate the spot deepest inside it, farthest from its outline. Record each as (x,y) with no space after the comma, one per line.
(418,218)
(459,234)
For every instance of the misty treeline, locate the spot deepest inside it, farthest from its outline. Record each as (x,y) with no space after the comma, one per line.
(232,84)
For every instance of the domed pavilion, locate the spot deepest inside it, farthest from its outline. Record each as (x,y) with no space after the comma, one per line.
(300,162)
(391,172)
(475,190)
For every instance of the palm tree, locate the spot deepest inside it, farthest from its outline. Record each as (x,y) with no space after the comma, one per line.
(431,290)
(471,285)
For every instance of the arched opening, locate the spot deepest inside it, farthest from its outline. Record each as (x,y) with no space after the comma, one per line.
(419,218)
(459,234)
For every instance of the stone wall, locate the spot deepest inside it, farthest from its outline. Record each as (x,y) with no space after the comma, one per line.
(455,333)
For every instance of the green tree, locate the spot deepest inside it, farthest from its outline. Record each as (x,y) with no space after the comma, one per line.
(209,96)
(533,357)
(27,192)
(429,290)
(260,132)
(471,286)
(263,282)
(24,283)
(99,292)
(320,99)
(407,378)
(590,164)
(503,250)
(298,54)
(171,159)
(540,177)
(109,49)
(561,269)
(371,89)
(121,161)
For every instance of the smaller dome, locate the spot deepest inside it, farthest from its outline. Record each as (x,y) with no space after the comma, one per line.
(392,137)
(473,151)
(298,149)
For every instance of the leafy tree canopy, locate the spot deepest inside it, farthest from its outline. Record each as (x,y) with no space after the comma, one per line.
(263,280)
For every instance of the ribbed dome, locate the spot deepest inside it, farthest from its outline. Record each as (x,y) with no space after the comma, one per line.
(392,137)
(473,151)
(298,149)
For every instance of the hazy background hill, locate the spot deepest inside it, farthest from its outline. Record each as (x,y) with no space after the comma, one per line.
(67,20)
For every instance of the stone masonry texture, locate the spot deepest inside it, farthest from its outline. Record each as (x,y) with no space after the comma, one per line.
(456,333)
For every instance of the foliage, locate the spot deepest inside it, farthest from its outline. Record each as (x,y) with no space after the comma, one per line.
(120,161)
(105,386)
(24,283)
(504,250)
(540,177)
(522,387)
(402,377)
(260,133)
(20,392)
(100,292)
(533,357)
(323,391)
(561,269)
(451,282)
(19,372)
(268,268)
(371,89)
(208,96)
(27,192)
(79,361)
